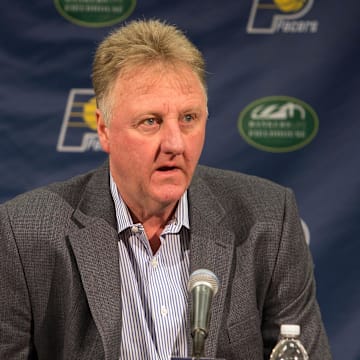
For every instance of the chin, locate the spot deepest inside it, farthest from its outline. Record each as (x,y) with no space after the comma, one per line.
(168,196)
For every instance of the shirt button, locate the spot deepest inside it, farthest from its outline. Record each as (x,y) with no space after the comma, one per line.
(164,310)
(134,229)
(154,262)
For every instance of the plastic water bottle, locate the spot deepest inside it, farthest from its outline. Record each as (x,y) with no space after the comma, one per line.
(289,346)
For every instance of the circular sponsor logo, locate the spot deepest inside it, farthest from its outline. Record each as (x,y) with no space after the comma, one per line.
(278,124)
(95,13)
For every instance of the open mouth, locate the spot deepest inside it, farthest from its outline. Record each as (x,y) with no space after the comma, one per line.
(167,168)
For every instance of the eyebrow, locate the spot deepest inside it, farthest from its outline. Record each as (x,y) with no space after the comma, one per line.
(188,109)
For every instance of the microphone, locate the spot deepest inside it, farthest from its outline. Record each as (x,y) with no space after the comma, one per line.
(203,285)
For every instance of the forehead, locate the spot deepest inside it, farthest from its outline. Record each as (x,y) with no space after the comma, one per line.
(145,80)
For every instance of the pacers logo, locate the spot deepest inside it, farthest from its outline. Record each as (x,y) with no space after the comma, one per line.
(290,5)
(78,130)
(272,16)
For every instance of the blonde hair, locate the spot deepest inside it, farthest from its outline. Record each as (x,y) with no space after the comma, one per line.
(140,43)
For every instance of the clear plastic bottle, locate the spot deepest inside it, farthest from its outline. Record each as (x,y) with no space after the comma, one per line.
(289,346)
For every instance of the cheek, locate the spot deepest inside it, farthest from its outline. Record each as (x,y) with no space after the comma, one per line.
(131,150)
(195,144)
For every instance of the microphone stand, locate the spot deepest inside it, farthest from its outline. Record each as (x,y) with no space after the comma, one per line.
(199,337)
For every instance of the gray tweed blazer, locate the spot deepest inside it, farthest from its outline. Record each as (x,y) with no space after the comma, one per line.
(60,282)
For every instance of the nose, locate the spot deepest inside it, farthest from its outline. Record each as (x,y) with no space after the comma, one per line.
(172,141)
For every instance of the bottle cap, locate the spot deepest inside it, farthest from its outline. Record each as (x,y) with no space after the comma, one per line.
(290,330)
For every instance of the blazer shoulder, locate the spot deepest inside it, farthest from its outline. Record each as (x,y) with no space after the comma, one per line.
(53,199)
(235,190)
(241,182)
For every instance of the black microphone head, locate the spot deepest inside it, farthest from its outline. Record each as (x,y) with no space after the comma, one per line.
(204,277)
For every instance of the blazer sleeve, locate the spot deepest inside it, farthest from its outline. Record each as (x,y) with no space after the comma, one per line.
(15,309)
(291,297)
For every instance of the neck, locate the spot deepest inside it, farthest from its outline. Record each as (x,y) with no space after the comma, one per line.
(153,226)
(153,220)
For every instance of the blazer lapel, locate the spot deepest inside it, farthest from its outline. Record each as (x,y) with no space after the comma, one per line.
(211,247)
(96,251)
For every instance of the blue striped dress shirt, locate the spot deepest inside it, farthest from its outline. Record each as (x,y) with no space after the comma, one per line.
(153,287)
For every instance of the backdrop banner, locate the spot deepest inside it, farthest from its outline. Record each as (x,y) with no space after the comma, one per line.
(283,79)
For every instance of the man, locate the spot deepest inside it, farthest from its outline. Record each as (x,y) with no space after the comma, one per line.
(97,267)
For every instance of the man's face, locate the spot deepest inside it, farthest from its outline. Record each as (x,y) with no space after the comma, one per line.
(156,134)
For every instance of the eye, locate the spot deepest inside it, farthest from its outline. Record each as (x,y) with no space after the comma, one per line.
(189,117)
(149,125)
(150,122)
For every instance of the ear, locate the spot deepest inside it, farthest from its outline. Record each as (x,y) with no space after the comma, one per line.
(103,131)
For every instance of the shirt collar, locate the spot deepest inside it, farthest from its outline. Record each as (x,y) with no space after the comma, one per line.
(124,220)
